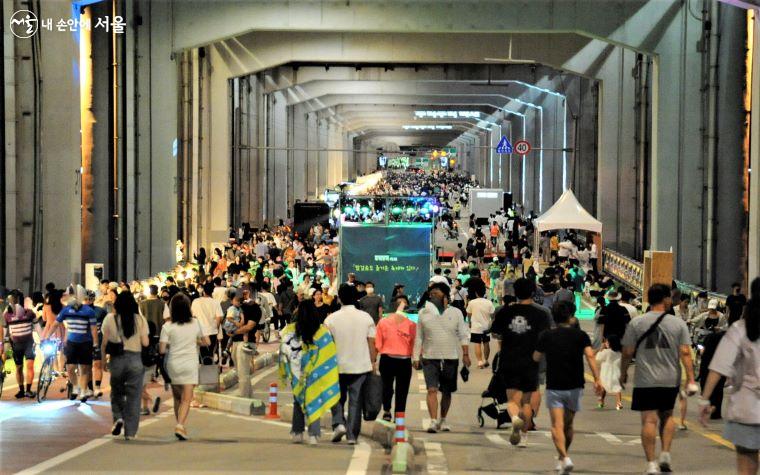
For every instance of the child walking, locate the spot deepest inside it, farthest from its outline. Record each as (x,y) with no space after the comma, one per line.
(609,360)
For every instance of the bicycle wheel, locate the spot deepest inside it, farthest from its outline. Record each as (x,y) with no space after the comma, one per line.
(43,382)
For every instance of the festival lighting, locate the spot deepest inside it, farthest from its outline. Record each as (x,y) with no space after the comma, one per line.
(446,114)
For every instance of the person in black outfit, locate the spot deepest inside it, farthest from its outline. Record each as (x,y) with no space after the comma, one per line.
(517,328)
(709,345)
(613,319)
(735,303)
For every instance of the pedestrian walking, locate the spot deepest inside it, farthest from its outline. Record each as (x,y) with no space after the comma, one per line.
(480,313)
(179,341)
(738,359)
(127,332)
(661,343)
(394,341)
(354,333)
(441,331)
(565,346)
(517,328)
(308,360)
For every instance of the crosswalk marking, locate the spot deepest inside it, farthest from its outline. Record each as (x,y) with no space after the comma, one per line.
(611,438)
(436,460)
(423,389)
(420,377)
(423,405)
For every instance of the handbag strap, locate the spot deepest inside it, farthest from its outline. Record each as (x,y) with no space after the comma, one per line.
(649,331)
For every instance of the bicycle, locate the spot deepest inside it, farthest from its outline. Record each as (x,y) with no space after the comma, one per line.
(47,374)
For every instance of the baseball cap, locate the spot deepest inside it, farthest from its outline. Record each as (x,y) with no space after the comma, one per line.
(712,304)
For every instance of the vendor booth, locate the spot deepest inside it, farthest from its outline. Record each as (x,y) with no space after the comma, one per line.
(567,213)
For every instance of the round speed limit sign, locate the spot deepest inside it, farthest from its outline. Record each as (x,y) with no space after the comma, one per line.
(522,147)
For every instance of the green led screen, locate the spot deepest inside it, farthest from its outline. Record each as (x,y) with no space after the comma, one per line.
(387,255)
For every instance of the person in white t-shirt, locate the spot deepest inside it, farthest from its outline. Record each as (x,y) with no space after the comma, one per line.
(480,312)
(209,313)
(438,277)
(354,333)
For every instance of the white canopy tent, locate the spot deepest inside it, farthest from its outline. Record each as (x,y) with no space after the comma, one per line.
(566,213)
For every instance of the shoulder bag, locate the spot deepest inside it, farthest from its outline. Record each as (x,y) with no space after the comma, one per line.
(115,349)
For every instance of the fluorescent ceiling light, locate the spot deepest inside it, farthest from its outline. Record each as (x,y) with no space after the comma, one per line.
(447,114)
(428,127)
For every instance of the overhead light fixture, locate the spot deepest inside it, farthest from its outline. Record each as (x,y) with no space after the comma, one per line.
(446,114)
(427,127)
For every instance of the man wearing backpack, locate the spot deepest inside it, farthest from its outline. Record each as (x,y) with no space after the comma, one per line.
(660,341)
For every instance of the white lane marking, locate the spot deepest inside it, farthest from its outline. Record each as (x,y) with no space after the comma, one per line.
(360,459)
(423,405)
(611,438)
(59,459)
(497,439)
(420,376)
(263,375)
(635,441)
(436,460)
(423,389)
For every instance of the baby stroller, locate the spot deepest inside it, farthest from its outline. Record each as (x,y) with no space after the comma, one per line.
(497,394)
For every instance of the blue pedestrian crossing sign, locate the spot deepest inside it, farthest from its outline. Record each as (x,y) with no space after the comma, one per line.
(504,146)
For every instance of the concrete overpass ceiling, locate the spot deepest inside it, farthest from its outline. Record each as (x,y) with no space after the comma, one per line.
(202,22)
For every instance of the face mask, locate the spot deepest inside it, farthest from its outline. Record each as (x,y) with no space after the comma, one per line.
(370,290)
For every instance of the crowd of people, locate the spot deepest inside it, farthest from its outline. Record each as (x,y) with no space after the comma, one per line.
(339,341)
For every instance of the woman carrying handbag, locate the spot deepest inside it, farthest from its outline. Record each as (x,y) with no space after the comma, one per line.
(125,333)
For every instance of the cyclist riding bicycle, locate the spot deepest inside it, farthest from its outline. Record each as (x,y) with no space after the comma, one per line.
(81,340)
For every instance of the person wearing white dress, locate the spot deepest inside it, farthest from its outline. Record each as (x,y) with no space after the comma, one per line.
(179,342)
(609,361)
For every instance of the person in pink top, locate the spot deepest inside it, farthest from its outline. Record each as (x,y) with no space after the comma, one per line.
(394,341)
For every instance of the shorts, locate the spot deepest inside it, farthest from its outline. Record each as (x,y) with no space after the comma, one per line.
(654,399)
(569,399)
(23,350)
(523,379)
(479,338)
(440,374)
(78,353)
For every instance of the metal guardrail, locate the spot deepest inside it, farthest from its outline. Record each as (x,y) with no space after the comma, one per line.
(630,272)
(623,269)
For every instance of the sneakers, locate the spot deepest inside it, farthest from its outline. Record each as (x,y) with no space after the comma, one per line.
(523,441)
(444,426)
(338,433)
(20,394)
(517,425)
(351,441)
(116,429)
(87,395)
(618,406)
(180,432)
(297,438)
(387,416)
(566,466)
(665,462)
(313,440)
(156,404)
(682,426)
(145,412)
(652,468)
(247,348)
(30,394)
(433,427)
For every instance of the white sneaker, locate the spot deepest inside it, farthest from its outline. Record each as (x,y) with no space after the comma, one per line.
(313,440)
(665,462)
(523,441)
(351,441)
(558,467)
(567,466)
(652,468)
(433,427)
(444,426)
(297,438)
(517,425)
(338,433)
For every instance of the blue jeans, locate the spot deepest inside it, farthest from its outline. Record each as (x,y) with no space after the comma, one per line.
(351,389)
(299,422)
